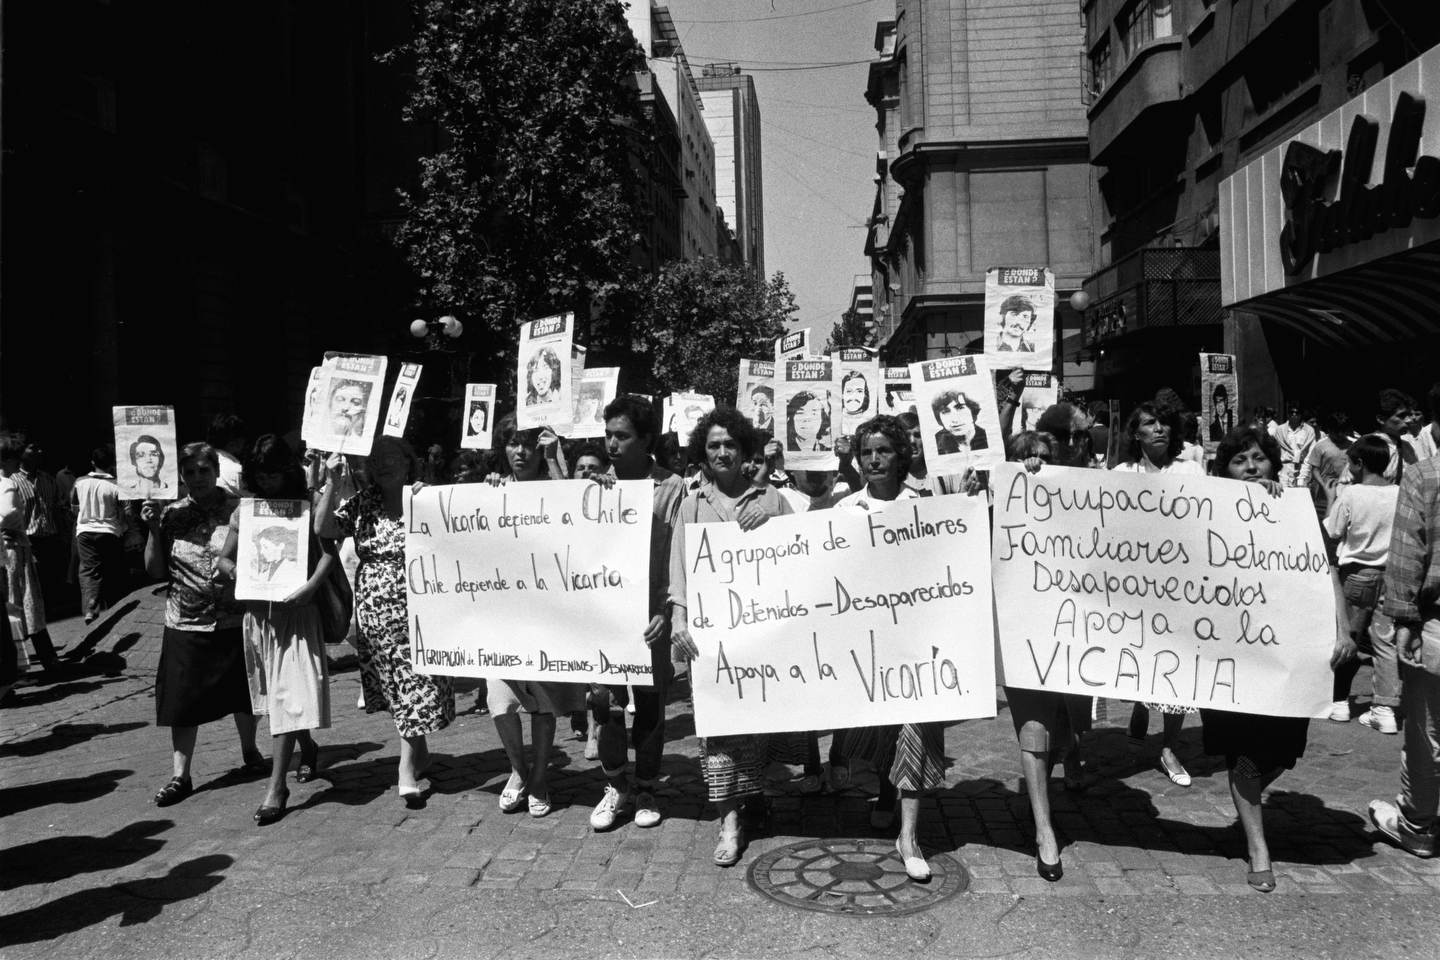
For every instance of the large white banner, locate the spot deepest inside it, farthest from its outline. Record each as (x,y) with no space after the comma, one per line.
(959,419)
(842,618)
(1191,591)
(1019,317)
(755,393)
(147,462)
(859,387)
(546,372)
(342,404)
(548,580)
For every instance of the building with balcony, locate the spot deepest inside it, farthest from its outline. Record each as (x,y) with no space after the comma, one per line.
(732,115)
(1181,95)
(982,161)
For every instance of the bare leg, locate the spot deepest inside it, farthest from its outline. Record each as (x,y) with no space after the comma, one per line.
(413,754)
(182,745)
(512,739)
(1036,767)
(542,737)
(1246,786)
(1173,723)
(245,724)
(283,745)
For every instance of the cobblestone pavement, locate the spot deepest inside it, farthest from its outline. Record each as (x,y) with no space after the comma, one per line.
(91,867)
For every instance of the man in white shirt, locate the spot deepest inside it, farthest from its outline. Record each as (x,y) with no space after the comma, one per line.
(1295,437)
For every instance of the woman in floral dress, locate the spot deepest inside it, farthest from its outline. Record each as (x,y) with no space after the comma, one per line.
(419,703)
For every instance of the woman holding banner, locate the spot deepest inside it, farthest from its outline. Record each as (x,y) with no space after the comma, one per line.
(723,442)
(909,758)
(1257,749)
(419,703)
(521,455)
(1153,439)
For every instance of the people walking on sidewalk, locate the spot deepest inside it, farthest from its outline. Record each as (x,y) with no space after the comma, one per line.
(419,703)
(286,662)
(201,676)
(18,506)
(99,535)
(1412,600)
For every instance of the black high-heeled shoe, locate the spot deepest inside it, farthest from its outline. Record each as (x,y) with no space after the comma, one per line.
(1049,871)
(309,763)
(266,815)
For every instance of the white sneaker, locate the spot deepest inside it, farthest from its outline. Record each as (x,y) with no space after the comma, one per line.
(647,811)
(1340,711)
(611,805)
(1381,719)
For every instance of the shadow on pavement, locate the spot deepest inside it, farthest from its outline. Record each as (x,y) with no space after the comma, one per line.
(100,630)
(32,695)
(74,790)
(66,735)
(134,901)
(56,858)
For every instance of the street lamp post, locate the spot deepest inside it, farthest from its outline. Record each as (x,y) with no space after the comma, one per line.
(434,332)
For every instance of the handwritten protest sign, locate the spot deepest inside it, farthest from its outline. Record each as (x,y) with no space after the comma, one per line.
(273,554)
(476,432)
(842,618)
(147,466)
(859,388)
(1219,398)
(397,414)
(755,393)
(1019,318)
(899,396)
(548,580)
(1040,393)
(594,389)
(682,411)
(791,345)
(1191,591)
(806,394)
(959,422)
(546,372)
(343,403)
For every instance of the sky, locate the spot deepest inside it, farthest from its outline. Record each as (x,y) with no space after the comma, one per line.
(817,133)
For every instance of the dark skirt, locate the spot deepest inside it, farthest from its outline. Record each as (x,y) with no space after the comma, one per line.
(1269,742)
(201,677)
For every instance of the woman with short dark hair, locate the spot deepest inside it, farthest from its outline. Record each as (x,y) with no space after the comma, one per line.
(201,676)
(723,443)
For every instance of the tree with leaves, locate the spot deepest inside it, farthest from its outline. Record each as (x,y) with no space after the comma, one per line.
(689,325)
(849,331)
(528,207)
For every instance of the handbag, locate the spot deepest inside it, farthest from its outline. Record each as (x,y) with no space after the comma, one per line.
(337,604)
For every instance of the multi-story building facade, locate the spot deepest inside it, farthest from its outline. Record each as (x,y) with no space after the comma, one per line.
(732,115)
(1183,94)
(982,161)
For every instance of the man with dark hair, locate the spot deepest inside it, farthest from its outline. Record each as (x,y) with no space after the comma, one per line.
(99,527)
(1017,325)
(1426,443)
(631,429)
(227,435)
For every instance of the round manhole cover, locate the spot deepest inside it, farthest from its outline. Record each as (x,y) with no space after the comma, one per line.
(858,877)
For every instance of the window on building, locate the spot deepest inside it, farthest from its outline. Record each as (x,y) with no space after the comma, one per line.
(1143,21)
(1101,67)
(902,73)
(1286,58)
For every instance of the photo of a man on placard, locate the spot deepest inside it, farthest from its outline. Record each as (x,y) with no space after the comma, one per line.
(348,402)
(762,407)
(1222,420)
(855,393)
(958,417)
(1017,325)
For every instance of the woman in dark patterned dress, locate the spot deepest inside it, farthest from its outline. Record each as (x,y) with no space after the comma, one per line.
(419,703)
(201,676)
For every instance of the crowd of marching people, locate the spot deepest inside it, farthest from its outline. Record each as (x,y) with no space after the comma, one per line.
(1375,481)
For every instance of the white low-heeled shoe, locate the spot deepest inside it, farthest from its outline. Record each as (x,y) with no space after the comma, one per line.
(915,867)
(1177,774)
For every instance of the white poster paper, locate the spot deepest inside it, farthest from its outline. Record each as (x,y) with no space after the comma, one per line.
(838,618)
(1219,398)
(1190,591)
(1040,394)
(899,396)
(548,580)
(147,460)
(860,387)
(546,372)
(959,422)
(594,390)
(397,414)
(755,393)
(682,411)
(1020,317)
(791,345)
(273,553)
(344,403)
(477,430)
(807,393)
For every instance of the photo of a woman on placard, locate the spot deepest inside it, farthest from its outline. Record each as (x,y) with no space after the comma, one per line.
(275,554)
(479,420)
(808,416)
(542,377)
(348,400)
(589,403)
(958,417)
(397,407)
(147,457)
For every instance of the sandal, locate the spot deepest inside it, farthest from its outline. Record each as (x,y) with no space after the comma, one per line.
(173,792)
